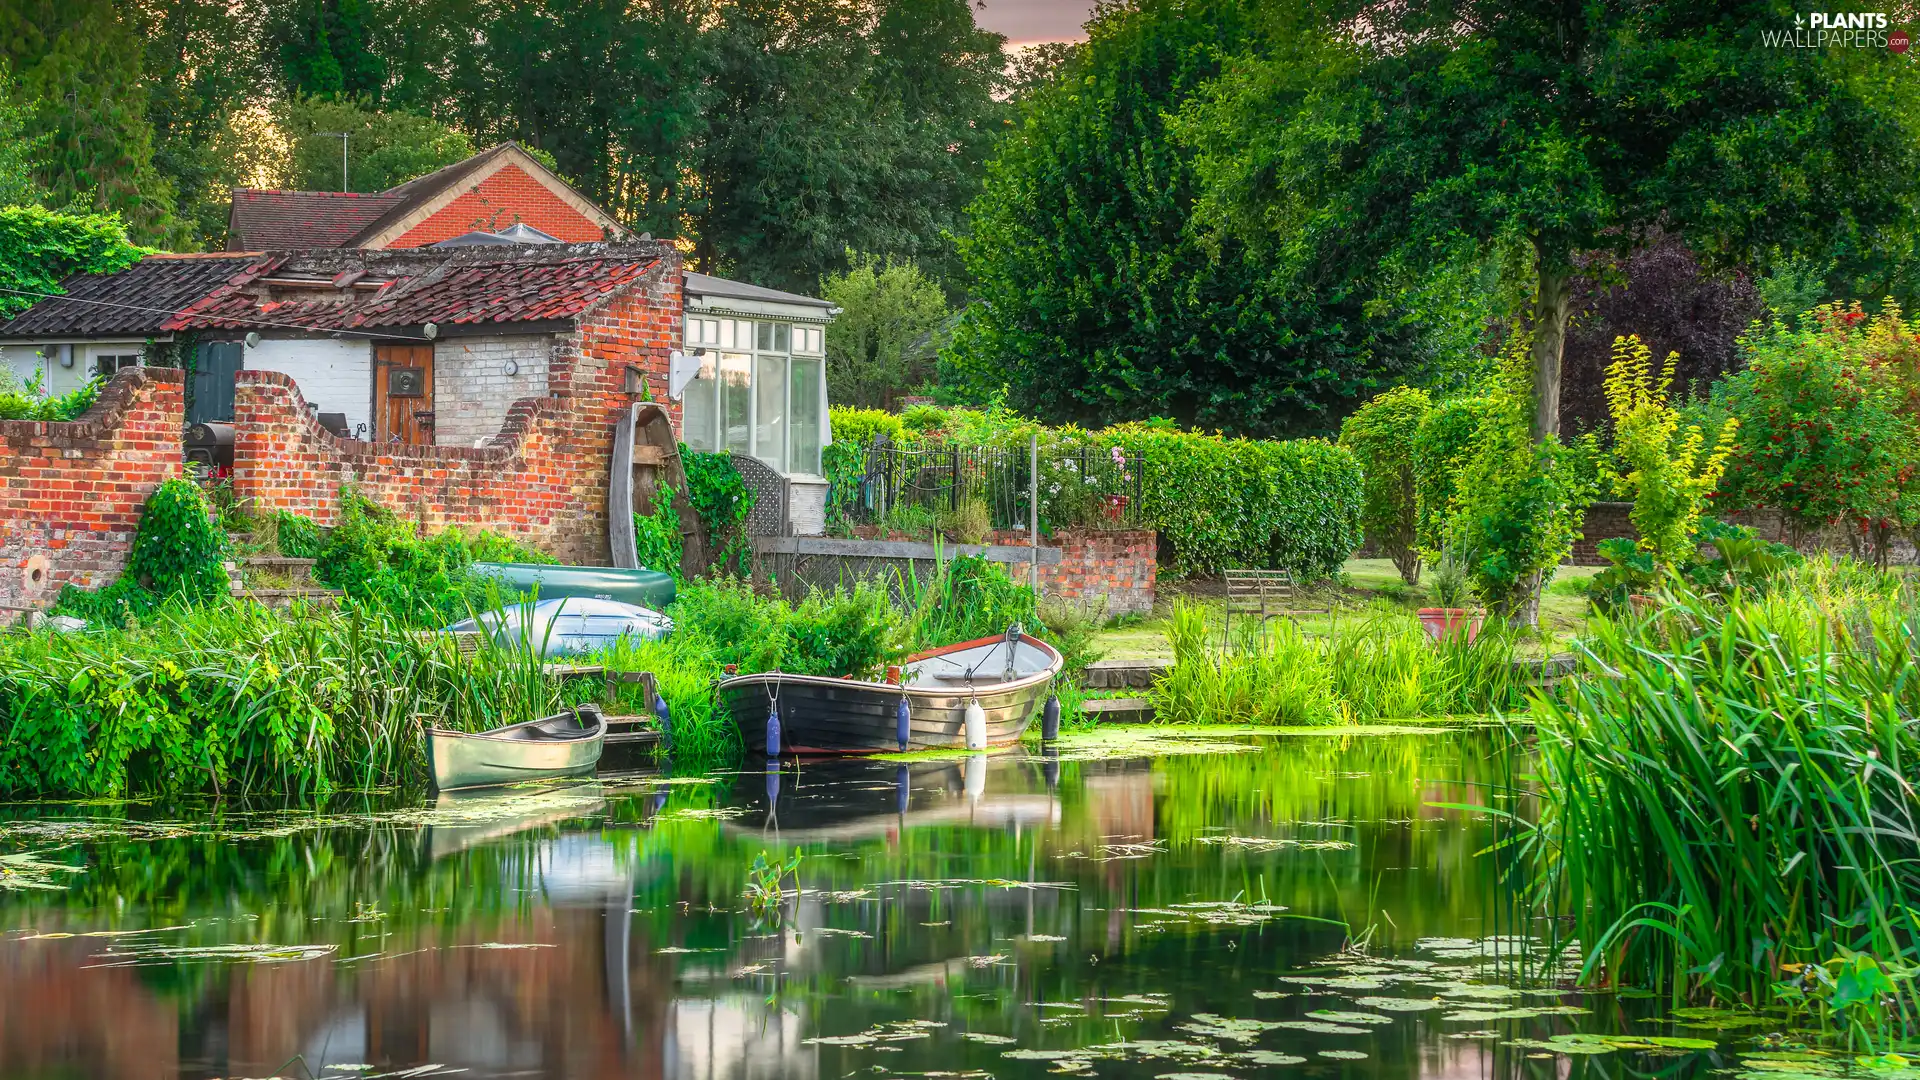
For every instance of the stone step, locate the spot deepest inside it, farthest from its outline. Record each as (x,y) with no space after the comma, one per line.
(1119,710)
(279,598)
(1125,674)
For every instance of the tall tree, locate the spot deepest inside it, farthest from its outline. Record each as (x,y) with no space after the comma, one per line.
(327,49)
(194,89)
(1566,128)
(1099,300)
(383,148)
(78,68)
(887,308)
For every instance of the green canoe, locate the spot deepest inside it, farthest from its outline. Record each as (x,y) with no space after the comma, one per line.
(643,588)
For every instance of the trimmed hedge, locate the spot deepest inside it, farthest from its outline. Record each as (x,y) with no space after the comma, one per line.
(1217,503)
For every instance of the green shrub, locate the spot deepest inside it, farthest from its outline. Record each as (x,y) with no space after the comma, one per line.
(1441,448)
(22,401)
(1381,436)
(1670,472)
(177,555)
(848,631)
(656,536)
(969,598)
(297,537)
(738,626)
(723,502)
(381,561)
(859,427)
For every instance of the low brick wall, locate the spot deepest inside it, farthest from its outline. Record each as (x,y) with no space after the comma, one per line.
(1116,571)
(71,493)
(1611,520)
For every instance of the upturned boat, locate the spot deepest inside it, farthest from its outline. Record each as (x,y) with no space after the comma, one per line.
(564,744)
(1008,676)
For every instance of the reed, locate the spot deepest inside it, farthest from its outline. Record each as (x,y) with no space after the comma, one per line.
(1727,792)
(1378,664)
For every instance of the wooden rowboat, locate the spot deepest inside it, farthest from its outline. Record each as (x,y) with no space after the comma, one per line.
(1008,675)
(565,744)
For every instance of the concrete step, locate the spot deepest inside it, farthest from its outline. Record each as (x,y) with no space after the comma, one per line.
(279,598)
(1125,674)
(1120,710)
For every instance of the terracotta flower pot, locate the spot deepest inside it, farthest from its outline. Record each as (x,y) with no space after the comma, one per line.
(1444,621)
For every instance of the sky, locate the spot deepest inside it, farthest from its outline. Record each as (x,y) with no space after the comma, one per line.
(1026,22)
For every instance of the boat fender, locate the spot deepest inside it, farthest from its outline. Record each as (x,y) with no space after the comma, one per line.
(976,726)
(773,785)
(1050,719)
(665,717)
(903,722)
(773,728)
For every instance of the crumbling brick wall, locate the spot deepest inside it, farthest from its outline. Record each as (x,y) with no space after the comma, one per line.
(1114,572)
(541,479)
(71,493)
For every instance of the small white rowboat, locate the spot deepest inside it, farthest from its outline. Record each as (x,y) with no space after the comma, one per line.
(565,744)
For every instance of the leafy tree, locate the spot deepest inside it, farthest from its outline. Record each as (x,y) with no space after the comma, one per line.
(326,49)
(383,148)
(1829,429)
(17,186)
(40,248)
(78,68)
(1480,125)
(886,309)
(1097,297)
(195,88)
(1381,436)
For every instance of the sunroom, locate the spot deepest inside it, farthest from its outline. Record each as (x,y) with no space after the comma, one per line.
(752,381)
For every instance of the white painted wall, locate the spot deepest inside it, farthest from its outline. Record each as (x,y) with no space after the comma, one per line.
(335,375)
(23,359)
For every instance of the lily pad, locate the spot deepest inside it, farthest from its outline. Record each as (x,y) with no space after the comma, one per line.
(1322,1027)
(1343,1055)
(1268,1057)
(1335,1016)
(1402,1004)
(984,1037)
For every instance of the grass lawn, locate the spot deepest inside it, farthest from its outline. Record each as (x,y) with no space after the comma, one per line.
(1563,608)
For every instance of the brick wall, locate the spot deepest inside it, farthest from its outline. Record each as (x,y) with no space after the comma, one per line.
(1116,571)
(71,493)
(1610,520)
(510,196)
(472,391)
(335,374)
(541,477)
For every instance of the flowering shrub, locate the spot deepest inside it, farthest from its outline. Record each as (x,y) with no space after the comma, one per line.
(1829,414)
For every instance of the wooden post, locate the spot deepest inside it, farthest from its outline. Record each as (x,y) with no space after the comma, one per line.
(1033,512)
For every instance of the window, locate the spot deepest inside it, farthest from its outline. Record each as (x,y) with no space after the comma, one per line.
(106,364)
(751,396)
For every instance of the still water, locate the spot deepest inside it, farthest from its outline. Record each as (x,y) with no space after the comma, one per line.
(1219,907)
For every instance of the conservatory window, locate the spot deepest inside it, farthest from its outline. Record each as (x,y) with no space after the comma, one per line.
(758,390)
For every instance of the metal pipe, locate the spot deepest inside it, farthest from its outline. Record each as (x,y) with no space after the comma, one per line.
(1033,512)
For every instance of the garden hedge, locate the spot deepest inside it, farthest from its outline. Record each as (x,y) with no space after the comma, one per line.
(1217,503)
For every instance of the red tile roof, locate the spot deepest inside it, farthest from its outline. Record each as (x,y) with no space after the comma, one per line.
(137,301)
(477,285)
(264,220)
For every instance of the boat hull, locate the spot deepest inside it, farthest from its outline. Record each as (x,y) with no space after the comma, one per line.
(489,759)
(641,588)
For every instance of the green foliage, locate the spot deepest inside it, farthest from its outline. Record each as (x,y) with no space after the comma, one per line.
(1739,561)
(177,556)
(1669,472)
(296,537)
(1726,789)
(1441,448)
(17,149)
(237,699)
(40,248)
(724,502)
(1100,298)
(326,51)
(382,562)
(859,426)
(1566,130)
(849,631)
(1829,415)
(1380,434)
(385,148)
(881,342)
(656,536)
(1518,503)
(1379,665)
(969,598)
(24,401)
(77,65)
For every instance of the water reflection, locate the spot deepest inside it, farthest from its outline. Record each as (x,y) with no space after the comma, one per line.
(951,912)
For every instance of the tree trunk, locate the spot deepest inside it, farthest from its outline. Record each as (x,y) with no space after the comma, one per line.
(1551,305)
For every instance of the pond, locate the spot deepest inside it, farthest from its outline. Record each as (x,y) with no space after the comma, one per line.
(1217,906)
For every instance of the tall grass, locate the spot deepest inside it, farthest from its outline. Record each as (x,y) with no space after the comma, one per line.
(1375,665)
(1727,790)
(235,698)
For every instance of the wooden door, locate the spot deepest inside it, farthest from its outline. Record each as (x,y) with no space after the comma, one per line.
(403,394)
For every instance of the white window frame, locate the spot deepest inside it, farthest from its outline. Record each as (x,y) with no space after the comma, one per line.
(702,332)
